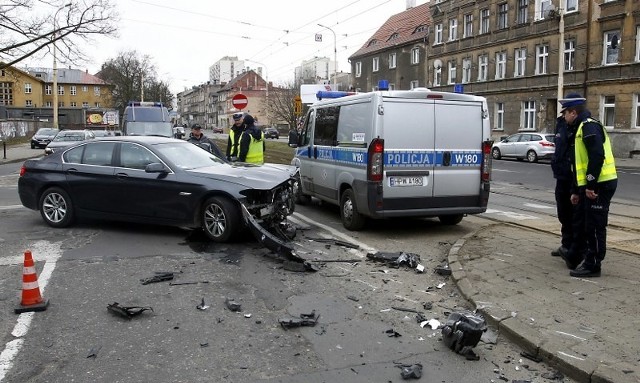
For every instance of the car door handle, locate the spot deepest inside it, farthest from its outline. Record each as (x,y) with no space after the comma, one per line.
(72,170)
(122,175)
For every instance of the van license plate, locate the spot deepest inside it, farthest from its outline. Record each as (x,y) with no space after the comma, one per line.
(405,181)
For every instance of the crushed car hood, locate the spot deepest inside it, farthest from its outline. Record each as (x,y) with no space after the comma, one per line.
(265,177)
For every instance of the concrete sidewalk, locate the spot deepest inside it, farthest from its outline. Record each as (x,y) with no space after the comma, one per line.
(18,153)
(588,328)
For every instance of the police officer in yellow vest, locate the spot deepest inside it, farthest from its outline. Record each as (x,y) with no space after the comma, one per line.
(234,137)
(251,142)
(595,183)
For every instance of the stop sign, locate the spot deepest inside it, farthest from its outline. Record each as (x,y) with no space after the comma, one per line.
(239,101)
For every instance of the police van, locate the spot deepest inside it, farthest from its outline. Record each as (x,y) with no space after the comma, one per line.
(146,118)
(411,153)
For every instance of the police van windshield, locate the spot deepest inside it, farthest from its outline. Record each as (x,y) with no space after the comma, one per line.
(146,114)
(137,128)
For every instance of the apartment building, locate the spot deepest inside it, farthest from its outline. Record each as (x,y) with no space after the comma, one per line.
(520,54)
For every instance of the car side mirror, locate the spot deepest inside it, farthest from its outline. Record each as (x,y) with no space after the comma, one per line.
(156,167)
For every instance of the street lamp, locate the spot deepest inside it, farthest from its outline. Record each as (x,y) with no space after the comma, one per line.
(560,58)
(55,67)
(335,54)
(267,90)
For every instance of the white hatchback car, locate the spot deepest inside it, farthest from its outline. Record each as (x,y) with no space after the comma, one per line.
(532,146)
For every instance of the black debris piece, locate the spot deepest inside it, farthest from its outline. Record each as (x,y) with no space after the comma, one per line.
(427,305)
(502,377)
(531,356)
(186,283)
(160,276)
(336,242)
(127,311)
(281,246)
(351,297)
(443,269)
(204,344)
(396,259)
(202,305)
(421,318)
(409,310)
(304,320)
(411,371)
(462,331)
(300,266)
(555,375)
(93,353)
(392,333)
(232,305)
(521,381)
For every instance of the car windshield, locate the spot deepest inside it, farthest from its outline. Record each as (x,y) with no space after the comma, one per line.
(69,136)
(137,128)
(47,131)
(186,155)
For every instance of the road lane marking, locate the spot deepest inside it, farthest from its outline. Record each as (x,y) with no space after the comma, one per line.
(11,207)
(536,206)
(336,233)
(40,250)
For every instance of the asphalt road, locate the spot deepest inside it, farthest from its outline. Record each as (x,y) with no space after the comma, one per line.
(94,264)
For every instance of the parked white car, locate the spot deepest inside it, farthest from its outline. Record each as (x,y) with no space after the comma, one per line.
(529,146)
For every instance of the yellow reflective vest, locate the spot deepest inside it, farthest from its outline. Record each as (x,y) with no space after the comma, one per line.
(608,171)
(255,155)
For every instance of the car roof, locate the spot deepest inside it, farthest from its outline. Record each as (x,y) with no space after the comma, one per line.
(141,139)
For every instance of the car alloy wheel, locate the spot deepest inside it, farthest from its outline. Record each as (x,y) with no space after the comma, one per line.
(56,207)
(495,153)
(532,156)
(220,219)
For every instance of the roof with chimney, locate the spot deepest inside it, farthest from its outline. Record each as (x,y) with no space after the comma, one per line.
(412,25)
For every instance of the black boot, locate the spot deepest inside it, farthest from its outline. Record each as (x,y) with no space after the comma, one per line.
(583,271)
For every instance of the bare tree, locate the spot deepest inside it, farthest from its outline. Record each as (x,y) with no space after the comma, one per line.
(134,76)
(282,103)
(31,27)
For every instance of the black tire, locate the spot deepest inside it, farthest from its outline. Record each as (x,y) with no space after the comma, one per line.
(220,219)
(532,156)
(351,218)
(56,207)
(33,146)
(495,153)
(453,219)
(301,199)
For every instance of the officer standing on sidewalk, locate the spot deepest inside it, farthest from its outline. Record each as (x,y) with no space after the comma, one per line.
(561,167)
(596,182)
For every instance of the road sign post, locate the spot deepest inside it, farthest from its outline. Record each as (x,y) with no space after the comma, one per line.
(240,101)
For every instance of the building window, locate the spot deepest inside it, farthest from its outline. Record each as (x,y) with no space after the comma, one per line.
(415,56)
(483,67)
(611,47)
(27,88)
(468,25)
(60,90)
(570,5)
(543,8)
(85,88)
(392,60)
(6,93)
(608,111)
(453,29)
(523,7)
(501,65)
(437,76)
(452,72)
(466,70)
(499,116)
(96,90)
(569,55)
(47,89)
(375,64)
(359,69)
(637,43)
(97,105)
(542,59)
(72,90)
(503,11)
(438,34)
(28,103)
(48,104)
(520,64)
(85,104)
(73,104)
(636,111)
(529,115)
(413,84)
(484,21)
(61,104)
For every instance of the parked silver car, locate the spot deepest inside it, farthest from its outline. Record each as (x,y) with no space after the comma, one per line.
(66,138)
(529,146)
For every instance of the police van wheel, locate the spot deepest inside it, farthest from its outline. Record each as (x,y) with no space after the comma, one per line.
(351,218)
(301,199)
(450,219)
(220,219)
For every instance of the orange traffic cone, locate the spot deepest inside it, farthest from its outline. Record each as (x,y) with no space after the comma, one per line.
(31,298)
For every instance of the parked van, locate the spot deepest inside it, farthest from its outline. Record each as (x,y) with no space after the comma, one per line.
(143,118)
(388,154)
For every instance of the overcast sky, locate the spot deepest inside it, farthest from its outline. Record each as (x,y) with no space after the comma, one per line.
(185,37)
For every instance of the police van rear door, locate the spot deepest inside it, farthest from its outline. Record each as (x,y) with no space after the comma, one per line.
(408,152)
(458,149)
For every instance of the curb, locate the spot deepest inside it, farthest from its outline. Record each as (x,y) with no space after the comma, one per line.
(511,327)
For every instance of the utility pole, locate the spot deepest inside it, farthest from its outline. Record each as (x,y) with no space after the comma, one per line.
(335,55)
(55,68)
